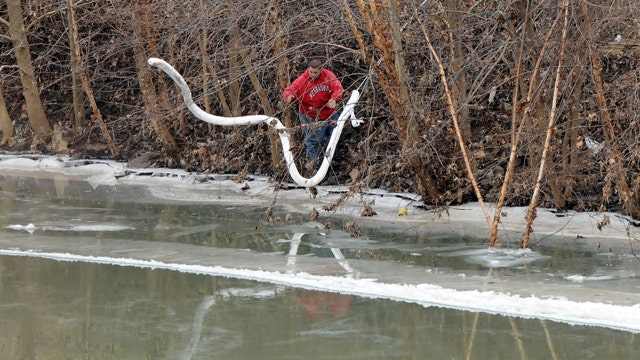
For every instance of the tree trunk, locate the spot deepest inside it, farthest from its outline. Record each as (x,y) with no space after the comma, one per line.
(451,106)
(276,156)
(571,157)
(275,29)
(207,68)
(408,126)
(6,126)
(561,176)
(222,99)
(35,111)
(203,43)
(79,112)
(179,122)
(616,161)
(381,21)
(531,213)
(452,16)
(141,17)
(519,111)
(234,69)
(86,85)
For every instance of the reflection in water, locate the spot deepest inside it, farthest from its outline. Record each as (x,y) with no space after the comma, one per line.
(321,305)
(61,310)
(201,311)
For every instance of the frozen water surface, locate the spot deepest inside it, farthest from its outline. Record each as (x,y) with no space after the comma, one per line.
(196,264)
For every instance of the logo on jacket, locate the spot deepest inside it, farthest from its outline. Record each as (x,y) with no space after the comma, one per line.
(318,88)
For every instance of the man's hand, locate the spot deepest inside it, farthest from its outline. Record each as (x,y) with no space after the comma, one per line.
(331,104)
(289,99)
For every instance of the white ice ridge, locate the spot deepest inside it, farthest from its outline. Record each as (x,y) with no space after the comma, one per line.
(604,315)
(347,113)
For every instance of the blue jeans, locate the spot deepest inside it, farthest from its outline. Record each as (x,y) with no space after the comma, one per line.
(316,137)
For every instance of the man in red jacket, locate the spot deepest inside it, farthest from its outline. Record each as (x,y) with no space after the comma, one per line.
(317,92)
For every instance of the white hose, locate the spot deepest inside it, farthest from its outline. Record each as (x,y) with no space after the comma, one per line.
(347,113)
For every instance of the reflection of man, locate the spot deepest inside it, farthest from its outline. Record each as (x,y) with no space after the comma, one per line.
(321,305)
(317,90)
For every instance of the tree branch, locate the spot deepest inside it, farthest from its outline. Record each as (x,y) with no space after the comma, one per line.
(55,12)
(8,67)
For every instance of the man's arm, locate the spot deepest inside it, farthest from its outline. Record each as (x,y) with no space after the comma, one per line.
(336,87)
(291,92)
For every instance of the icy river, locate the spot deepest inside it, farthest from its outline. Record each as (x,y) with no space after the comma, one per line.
(101,261)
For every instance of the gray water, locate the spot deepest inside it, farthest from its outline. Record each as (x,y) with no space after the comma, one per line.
(52,309)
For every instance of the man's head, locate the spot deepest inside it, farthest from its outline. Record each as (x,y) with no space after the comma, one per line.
(315,67)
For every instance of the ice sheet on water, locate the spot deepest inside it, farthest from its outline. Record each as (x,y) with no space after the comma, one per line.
(259,292)
(549,307)
(88,227)
(602,275)
(582,278)
(192,230)
(498,258)
(30,228)
(69,227)
(429,285)
(508,258)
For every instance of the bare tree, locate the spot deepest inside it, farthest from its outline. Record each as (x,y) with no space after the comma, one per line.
(79,112)
(452,105)
(85,81)
(6,126)
(617,170)
(144,47)
(382,24)
(531,211)
(519,108)
(35,111)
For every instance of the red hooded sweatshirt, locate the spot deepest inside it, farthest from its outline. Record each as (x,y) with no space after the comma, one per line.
(312,95)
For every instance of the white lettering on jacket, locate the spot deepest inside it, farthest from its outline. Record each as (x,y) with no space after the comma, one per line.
(318,88)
